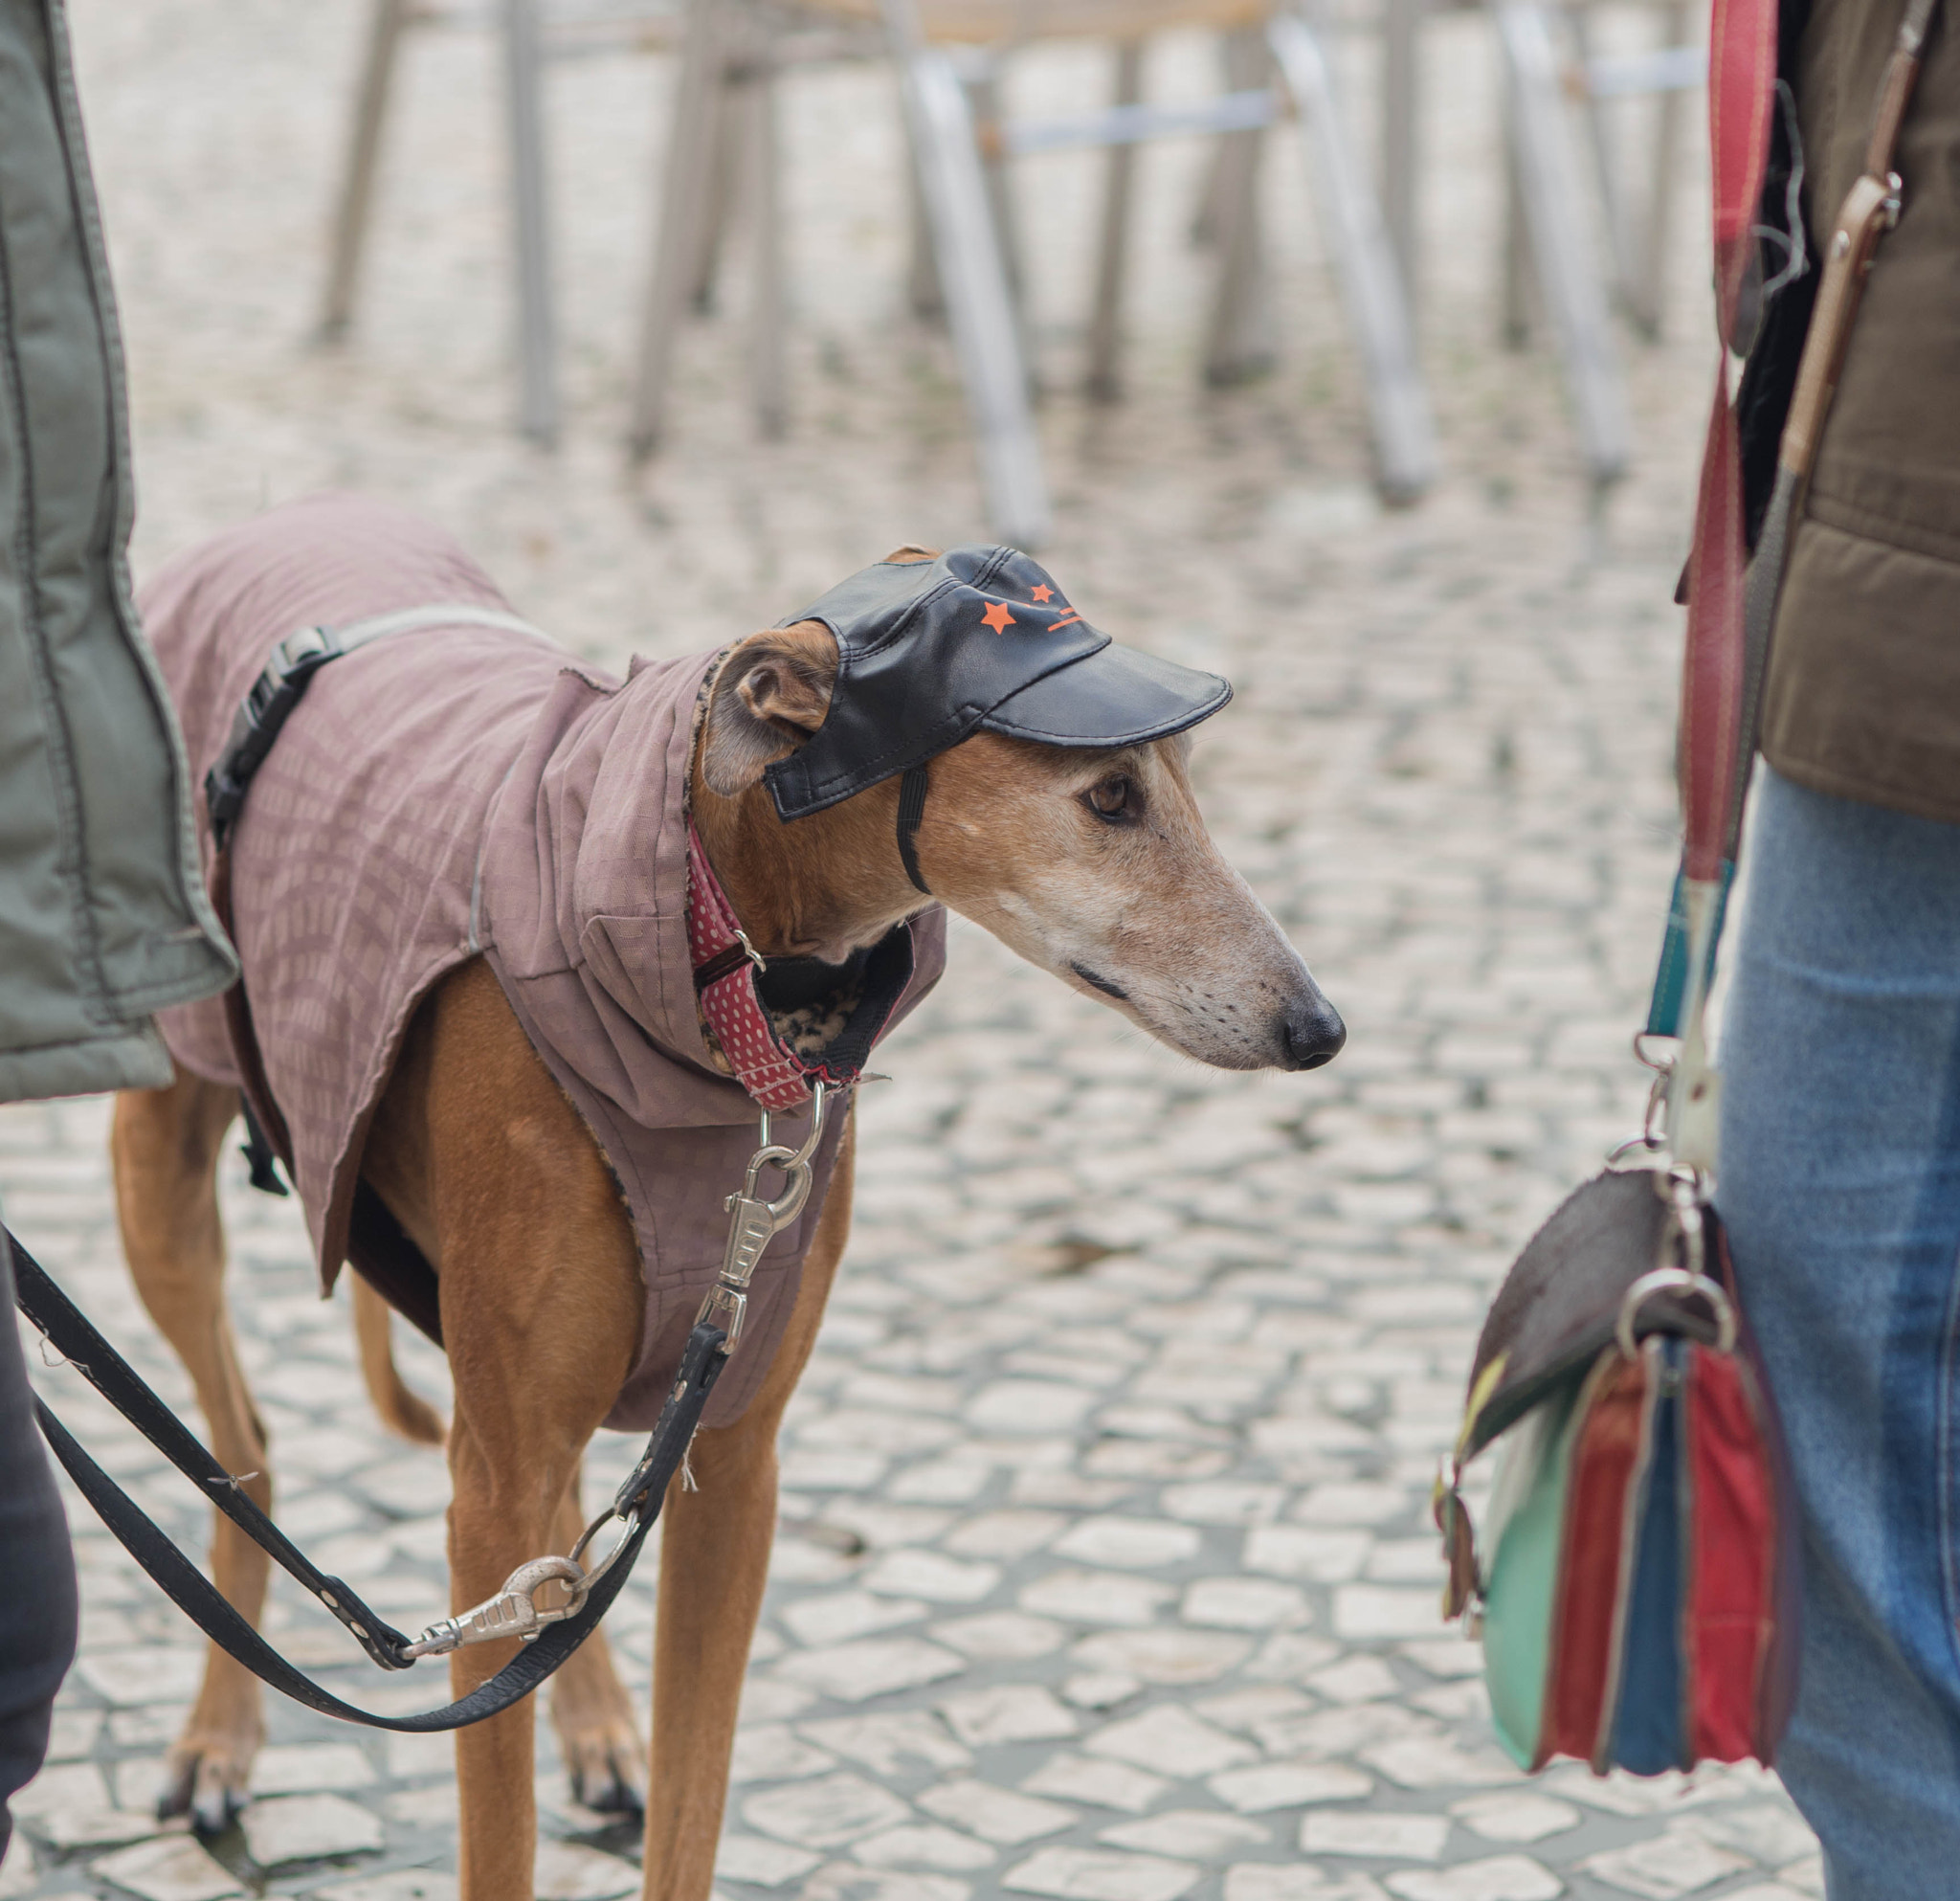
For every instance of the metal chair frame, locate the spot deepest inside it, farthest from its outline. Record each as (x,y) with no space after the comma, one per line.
(965,264)
(533,36)
(1546,59)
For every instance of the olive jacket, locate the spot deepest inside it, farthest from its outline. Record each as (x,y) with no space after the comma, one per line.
(1863,694)
(102,913)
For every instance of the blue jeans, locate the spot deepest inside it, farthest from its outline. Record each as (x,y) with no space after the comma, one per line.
(1841,1186)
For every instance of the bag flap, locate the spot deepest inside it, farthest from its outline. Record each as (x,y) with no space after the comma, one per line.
(1559,1302)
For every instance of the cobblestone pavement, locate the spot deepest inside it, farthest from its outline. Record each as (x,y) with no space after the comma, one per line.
(1105,1568)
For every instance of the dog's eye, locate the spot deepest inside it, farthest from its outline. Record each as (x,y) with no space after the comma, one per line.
(1112,798)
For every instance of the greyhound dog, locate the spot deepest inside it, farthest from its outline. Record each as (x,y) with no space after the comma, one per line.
(1090,860)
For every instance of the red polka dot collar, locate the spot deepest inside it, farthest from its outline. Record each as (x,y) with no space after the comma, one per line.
(724,973)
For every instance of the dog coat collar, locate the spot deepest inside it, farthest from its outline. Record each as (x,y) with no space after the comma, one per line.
(735,988)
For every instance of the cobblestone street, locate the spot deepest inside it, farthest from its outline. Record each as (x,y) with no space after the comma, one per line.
(1105,1567)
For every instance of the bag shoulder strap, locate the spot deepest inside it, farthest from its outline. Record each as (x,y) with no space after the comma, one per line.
(1730,617)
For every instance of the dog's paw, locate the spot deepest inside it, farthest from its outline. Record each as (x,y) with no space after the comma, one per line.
(605,1779)
(598,1741)
(207,1784)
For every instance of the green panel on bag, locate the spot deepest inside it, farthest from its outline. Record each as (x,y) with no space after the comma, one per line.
(1525,1530)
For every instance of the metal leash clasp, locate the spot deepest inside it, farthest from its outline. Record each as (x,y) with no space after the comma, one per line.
(1642,1151)
(513,1612)
(754,1221)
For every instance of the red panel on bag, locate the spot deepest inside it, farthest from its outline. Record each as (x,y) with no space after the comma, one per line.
(1603,1463)
(1731,1616)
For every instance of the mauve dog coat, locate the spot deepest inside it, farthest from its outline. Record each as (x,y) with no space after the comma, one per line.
(454,790)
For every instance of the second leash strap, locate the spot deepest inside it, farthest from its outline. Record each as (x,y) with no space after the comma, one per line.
(195,1595)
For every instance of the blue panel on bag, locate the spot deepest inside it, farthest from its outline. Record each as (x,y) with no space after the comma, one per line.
(1647,1730)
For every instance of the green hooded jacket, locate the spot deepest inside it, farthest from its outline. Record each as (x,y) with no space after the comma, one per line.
(102,913)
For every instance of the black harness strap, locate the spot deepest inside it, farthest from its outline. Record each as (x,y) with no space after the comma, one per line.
(911,810)
(70,1332)
(260,1157)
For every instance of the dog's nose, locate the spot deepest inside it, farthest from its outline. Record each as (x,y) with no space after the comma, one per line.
(1312,1033)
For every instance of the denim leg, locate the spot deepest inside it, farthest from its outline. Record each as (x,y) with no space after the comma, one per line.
(1841,1186)
(37,1626)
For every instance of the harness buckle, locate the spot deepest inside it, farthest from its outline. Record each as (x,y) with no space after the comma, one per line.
(256,723)
(513,1612)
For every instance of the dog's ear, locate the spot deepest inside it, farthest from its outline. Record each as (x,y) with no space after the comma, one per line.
(911,552)
(771,694)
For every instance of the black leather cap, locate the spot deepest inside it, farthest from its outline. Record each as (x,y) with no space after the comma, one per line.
(928,652)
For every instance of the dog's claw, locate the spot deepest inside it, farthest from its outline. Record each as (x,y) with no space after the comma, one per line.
(200,1786)
(215,1799)
(606,1791)
(173,1798)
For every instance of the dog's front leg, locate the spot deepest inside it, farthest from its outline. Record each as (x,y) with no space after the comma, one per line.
(714,1563)
(498,1816)
(541,1303)
(164,1146)
(598,1738)
(491,1532)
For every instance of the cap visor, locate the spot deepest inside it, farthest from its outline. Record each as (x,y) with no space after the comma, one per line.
(1117,696)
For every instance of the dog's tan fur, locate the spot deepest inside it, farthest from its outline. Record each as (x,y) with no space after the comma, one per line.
(479,1155)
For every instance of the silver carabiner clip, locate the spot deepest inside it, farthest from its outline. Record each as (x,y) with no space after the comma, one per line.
(513,1612)
(755,1221)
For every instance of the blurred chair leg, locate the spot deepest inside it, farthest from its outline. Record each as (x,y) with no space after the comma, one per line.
(1567,276)
(683,195)
(971,267)
(1647,291)
(1112,257)
(356,201)
(921,271)
(1238,343)
(722,187)
(982,85)
(1401,79)
(983,101)
(523,72)
(1600,135)
(754,118)
(1365,266)
(1517,290)
(1210,216)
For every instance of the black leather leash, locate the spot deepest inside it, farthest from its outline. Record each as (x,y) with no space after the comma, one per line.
(638,1501)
